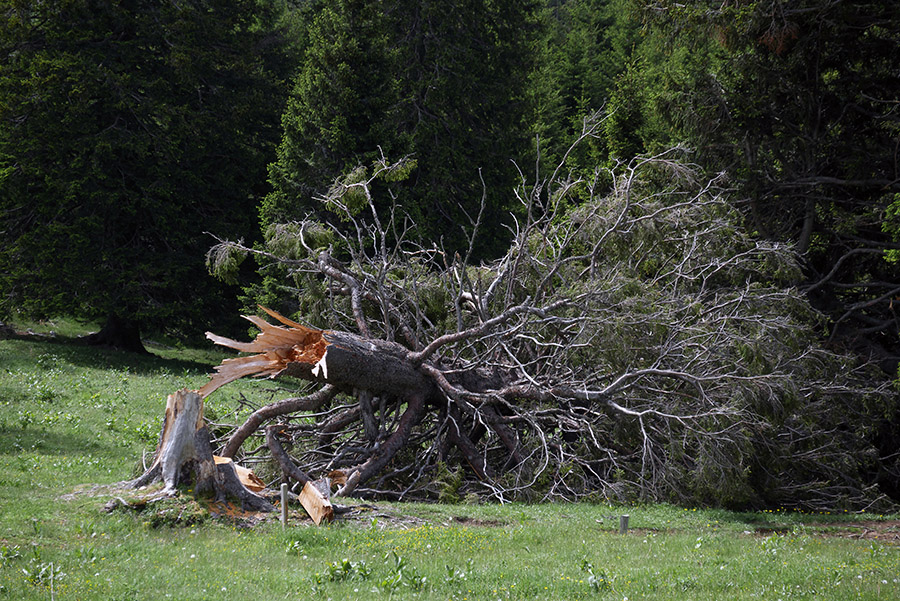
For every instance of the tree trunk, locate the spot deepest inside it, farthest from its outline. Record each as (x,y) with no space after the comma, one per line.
(184,457)
(346,361)
(120,334)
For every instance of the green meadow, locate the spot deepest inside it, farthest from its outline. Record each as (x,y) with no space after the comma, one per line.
(74,420)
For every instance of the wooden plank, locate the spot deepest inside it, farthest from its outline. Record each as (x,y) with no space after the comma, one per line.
(316,505)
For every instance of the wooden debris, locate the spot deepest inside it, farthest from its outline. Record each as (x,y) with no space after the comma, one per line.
(317,505)
(276,347)
(343,359)
(245,475)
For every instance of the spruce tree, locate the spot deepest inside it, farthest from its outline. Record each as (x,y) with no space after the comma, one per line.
(441,82)
(127,131)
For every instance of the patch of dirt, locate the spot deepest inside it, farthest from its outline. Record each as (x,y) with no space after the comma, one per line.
(95,490)
(886,531)
(233,513)
(467,521)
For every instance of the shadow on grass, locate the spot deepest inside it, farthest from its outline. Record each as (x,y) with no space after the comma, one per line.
(15,440)
(77,351)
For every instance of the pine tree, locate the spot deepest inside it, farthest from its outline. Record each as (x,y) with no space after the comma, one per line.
(127,131)
(438,81)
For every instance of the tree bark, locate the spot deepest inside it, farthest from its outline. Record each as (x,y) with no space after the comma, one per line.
(118,333)
(344,360)
(184,457)
(284,461)
(414,411)
(307,403)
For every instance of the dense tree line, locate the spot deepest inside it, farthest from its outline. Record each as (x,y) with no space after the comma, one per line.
(442,82)
(132,133)
(797,100)
(127,130)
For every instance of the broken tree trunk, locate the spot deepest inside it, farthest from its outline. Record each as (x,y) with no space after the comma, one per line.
(346,361)
(362,367)
(184,457)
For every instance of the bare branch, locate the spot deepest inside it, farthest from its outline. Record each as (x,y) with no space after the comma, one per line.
(634,343)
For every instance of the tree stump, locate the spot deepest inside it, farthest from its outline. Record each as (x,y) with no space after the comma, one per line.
(184,457)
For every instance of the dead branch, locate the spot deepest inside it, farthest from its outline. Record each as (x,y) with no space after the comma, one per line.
(637,344)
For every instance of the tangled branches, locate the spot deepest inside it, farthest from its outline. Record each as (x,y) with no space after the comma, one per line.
(633,343)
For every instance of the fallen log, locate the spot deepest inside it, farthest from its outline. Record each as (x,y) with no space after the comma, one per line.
(345,360)
(340,360)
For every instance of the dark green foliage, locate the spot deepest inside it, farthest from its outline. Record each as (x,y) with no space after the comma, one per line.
(340,109)
(439,81)
(797,100)
(127,130)
(587,45)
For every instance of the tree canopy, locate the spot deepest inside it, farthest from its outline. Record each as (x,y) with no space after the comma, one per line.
(127,130)
(441,82)
(797,99)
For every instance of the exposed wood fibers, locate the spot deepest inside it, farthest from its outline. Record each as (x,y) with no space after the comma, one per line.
(276,347)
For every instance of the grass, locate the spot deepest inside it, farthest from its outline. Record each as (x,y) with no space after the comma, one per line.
(72,417)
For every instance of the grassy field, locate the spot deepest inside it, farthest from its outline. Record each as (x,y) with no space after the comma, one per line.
(72,418)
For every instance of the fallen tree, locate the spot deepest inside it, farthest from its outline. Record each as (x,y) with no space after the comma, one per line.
(634,343)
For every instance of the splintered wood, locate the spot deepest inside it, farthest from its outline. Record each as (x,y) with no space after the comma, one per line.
(276,348)
(181,442)
(315,503)
(184,458)
(246,476)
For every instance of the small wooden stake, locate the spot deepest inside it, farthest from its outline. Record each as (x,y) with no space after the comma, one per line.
(623,524)
(284,502)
